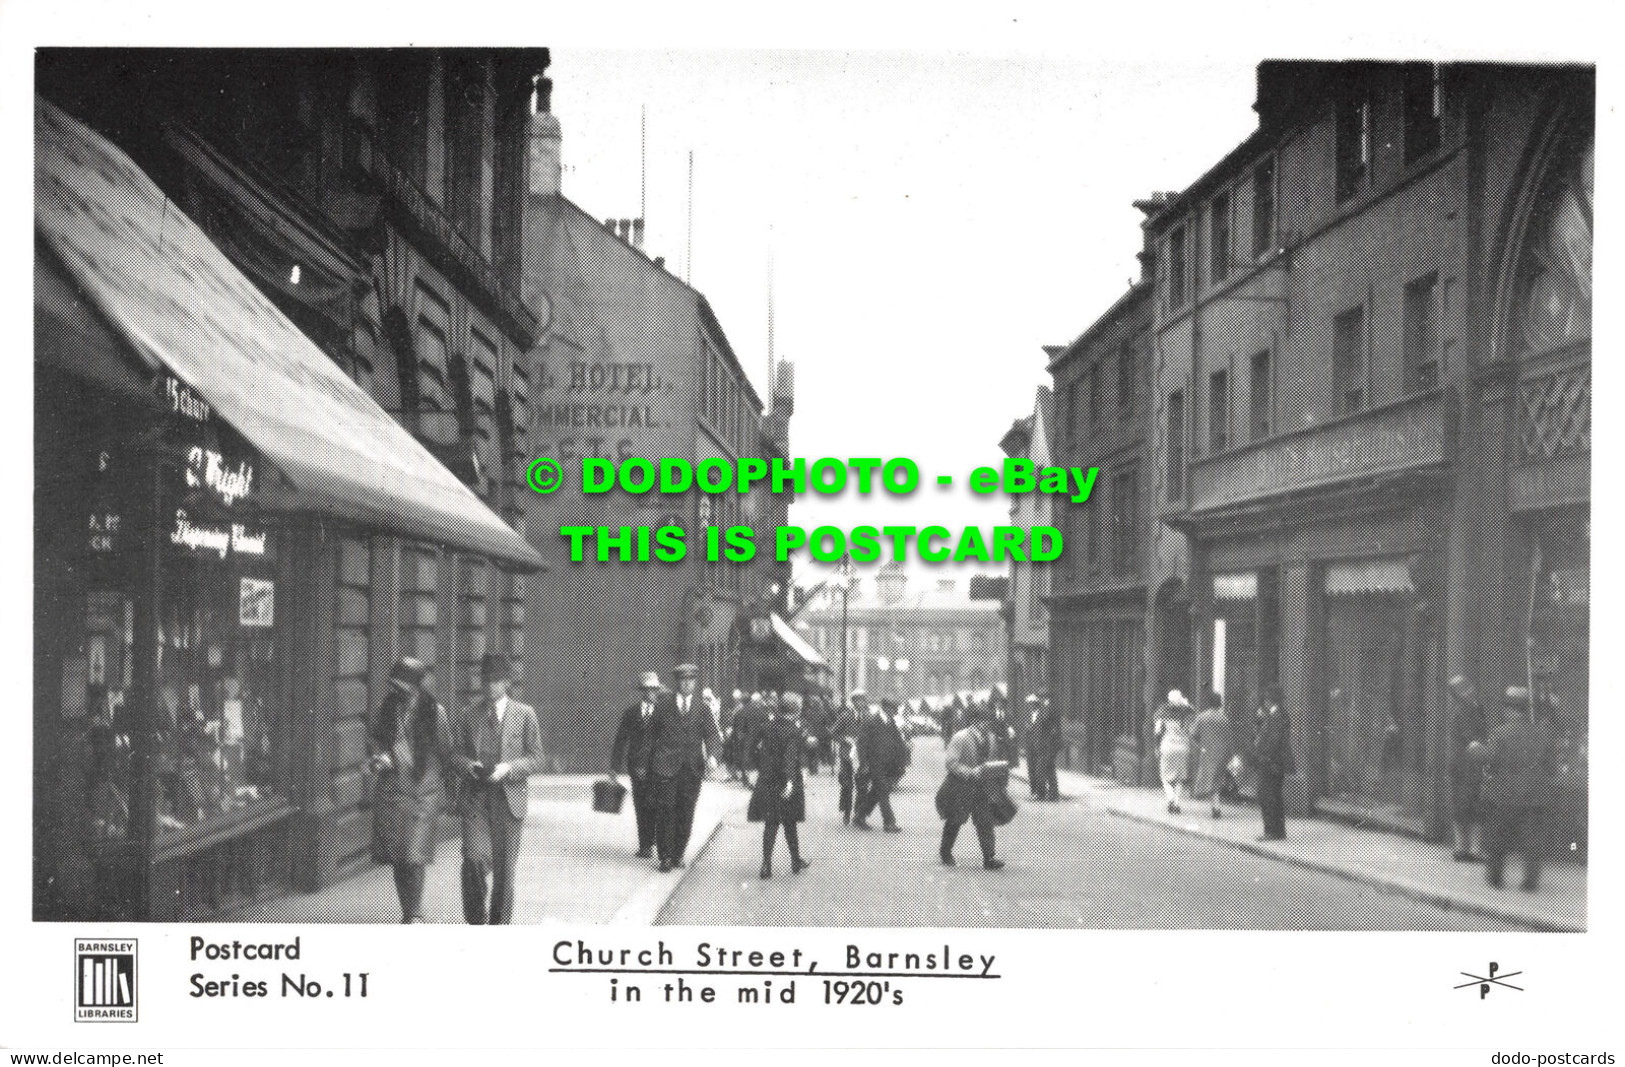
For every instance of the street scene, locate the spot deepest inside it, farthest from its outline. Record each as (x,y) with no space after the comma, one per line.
(1207,547)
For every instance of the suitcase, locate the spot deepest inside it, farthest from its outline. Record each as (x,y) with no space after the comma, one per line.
(608,795)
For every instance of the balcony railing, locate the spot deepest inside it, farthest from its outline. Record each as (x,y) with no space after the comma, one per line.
(1409,435)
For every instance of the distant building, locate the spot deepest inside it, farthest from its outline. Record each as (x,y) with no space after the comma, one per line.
(637,365)
(901,644)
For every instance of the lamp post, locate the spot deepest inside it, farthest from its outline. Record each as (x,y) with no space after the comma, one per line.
(844,580)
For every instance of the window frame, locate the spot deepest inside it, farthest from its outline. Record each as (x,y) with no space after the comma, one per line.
(1220,237)
(1361,348)
(1219,403)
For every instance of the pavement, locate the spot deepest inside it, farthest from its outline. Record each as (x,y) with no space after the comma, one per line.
(576,866)
(1421,870)
(1107,856)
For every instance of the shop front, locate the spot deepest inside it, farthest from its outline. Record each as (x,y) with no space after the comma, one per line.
(196,459)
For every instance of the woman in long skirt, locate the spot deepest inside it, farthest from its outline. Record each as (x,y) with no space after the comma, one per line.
(409,737)
(1173,747)
(779,797)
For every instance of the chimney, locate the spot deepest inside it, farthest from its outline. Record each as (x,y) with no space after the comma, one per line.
(637,233)
(609,224)
(624,229)
(660,261)
(546,163)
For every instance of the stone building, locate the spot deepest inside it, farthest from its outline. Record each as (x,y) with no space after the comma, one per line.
(1371,424)
(1026,610)
(281,366)
(638,365)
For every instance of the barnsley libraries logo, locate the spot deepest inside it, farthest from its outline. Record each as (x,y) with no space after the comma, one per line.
(104,981)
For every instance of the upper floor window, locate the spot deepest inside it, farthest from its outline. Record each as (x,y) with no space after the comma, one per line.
(1348,361)
(1176,267)
(1555,274)
(1264,208)
(1219,242)
(1422,333)
(1424,109)
(1127,376)
(1174,445)
(1126,520)
(1218,412)
(1353,144)
(1261,395)
(1096,373)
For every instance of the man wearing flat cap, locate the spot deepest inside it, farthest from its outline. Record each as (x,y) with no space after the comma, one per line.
(630,752)
(685,738)
(498,746)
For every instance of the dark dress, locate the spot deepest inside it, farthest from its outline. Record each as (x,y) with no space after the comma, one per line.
(776,754)
(410,794)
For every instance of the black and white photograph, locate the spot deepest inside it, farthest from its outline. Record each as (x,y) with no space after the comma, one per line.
(492,479)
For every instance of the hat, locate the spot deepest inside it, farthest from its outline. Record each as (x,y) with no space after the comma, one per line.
(1177,698)
(648,680)
(408,671)
(856,693)
(1517,695)
(687,670)
(1032,698)
(494,668)
(791,702)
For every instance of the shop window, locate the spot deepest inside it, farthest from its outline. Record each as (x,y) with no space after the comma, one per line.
(1218,412)
(1264,208)
(1349,361)
(1424,109)
(1353,145)
(1219,242)
(1421,334)
(1174,445)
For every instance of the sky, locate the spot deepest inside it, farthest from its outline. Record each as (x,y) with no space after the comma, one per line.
(932,219)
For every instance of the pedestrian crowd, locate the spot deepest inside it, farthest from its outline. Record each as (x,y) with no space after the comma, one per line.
(423,760)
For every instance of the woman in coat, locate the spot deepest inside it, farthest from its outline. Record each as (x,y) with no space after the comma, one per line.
(964,793)
(1211,736)
(408,738)
(780,795)
(1173,747)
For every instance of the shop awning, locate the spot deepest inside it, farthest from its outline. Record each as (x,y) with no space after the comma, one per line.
(182,307)
(798,644)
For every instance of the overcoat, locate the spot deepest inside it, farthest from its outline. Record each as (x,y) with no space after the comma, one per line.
(776,754)
(414,732)
(1211,734)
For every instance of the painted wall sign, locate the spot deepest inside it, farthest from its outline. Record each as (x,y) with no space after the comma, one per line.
(237,538)
(184,402)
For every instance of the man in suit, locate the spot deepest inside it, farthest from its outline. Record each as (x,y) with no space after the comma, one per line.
(1520,767)
(1272,755)
(629,754)
(498,745)
(848,723)
(685,739)
(882,755)
(1043,746)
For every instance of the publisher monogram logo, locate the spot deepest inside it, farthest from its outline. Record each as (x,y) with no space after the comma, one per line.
(104,981)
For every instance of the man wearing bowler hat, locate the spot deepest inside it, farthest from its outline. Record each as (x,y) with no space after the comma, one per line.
(685,737)
(634,742)
(498,746)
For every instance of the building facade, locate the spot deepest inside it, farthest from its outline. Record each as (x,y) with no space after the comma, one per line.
(1026,610)
(1371,328)
(638,365)
(1099,587)
(904,645)
(277,292)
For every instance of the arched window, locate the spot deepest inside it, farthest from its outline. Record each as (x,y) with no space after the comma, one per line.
(1555,275)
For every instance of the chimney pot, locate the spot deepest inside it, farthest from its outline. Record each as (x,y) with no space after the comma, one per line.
(624,228)
(609,224)
(637,233)
(546,159)
(660,261)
